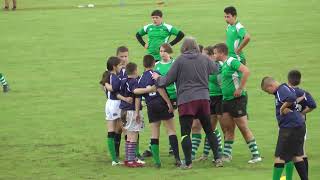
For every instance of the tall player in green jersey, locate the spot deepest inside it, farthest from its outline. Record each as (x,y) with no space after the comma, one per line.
(234,77)
(158,33)
(237,36)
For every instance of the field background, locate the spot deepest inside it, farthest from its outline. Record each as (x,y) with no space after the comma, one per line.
(53,54)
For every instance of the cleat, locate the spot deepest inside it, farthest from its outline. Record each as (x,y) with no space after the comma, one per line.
(114,163)
(6,88)
(218,163)
(147,153)
(140,161)
(202,158)
(138,156)
(178,163)
(185,167)
(254,160)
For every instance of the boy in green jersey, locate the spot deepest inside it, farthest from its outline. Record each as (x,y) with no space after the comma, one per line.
(215,103)
(237,36)
(158,33)
(234,77)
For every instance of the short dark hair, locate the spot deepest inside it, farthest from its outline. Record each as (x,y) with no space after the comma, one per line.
(294,77)
(221,48)
(230,10)
(148,61)
(209,49)
(122,49)
(156,12)
(131,67)
(200,48)
(112,61)
(267,80)
(167,48)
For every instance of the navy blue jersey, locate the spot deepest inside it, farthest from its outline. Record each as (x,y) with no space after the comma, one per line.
(115,83)
(123,74)
(308,100)
(292,119)
(145,81)
(126,90)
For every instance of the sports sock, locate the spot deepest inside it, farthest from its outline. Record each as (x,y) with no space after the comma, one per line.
(253,148)
(227,150)
(174,145)
(301,169)
(155,151)
(305,159)
(218,134)
(277,171)
(187,148)
(3,80)
(289,170)
(206,147)
(131,151)
(111,147)
(196,140)
(117,142)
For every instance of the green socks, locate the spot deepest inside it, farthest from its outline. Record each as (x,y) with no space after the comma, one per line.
(227,150)
(3,80)
(253,148)
(111,146)
(289,170)
(155,151)
(196,140)
(277,171)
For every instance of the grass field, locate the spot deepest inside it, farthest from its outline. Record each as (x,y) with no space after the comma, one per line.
(53,54)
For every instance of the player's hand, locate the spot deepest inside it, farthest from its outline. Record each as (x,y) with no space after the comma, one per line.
(129,100)
(151,88)
(285,111)
(170,108)
(146,46)
(301,98)
(138,118)
(155,75)
(237,93)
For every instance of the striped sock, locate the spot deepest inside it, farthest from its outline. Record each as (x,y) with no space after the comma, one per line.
(131,151)
(253,148)
(3,80)
(206,147)
(126,149)
(196,140)
(227,150)
(217,133)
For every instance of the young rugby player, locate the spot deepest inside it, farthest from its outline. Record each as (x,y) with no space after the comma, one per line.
(305,104)
(234,77)
(292,128)
(112,82)
(132,124)
(159,109)
(158,33)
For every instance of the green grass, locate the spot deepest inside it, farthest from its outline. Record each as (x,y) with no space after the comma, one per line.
(53,54)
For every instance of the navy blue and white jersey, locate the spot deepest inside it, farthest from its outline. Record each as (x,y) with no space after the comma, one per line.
(146,81)
(292,119)
(126,90)
(123,74)
(115,83)
(308,100)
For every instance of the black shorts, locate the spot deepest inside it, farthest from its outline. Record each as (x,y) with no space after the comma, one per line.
(237,107)
(290,143)
(216,105)
(174,103)
(158,110)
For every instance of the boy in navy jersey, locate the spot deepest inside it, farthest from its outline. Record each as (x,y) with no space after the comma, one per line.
(132,125)
(305,104)
(292,128)
(159,109)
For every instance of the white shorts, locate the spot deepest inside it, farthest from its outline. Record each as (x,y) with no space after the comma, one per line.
(131,124)
(112,110)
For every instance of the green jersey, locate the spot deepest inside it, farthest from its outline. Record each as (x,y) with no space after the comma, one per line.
(235,35)
(157,35)
(215,82)
(163,68)
(231,78)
